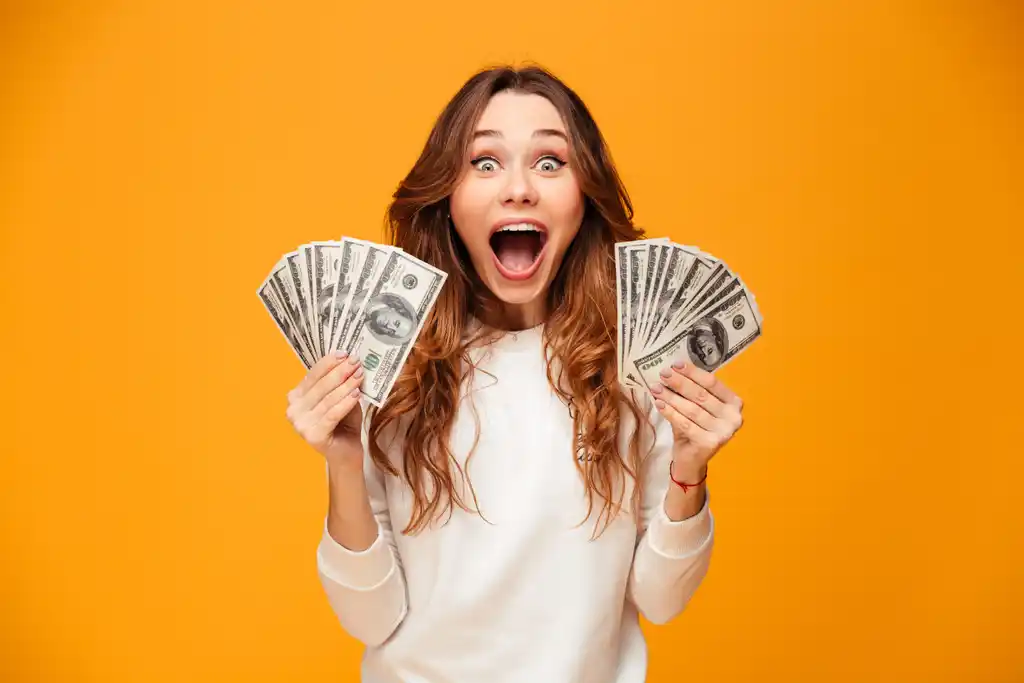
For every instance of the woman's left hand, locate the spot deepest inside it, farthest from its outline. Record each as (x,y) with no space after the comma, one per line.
(703,412)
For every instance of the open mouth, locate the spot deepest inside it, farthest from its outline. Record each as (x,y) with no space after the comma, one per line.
(517,249)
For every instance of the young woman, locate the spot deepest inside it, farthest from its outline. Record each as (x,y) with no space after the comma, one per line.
(511,510)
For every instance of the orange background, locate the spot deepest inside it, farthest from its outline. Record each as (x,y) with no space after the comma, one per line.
(858,163)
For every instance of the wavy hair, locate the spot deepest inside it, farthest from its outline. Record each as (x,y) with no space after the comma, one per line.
(579,333)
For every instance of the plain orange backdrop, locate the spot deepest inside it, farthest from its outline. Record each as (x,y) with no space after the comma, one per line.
(858,163)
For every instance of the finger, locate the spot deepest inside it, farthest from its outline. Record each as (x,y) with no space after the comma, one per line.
(354,381)
(319,369)
(706,379)
(328,383)
(685,407)
(686,387)
(681,424)
(328,422)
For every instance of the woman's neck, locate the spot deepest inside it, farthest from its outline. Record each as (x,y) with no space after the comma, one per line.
(516,317)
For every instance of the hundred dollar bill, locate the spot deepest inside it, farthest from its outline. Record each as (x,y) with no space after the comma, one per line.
(306,250)
(289,300)
(326,262)
(720,283)
(395,309)
(694,278)
(676,268)
(624,275)
(711,341)
(270,294)
(629,266)
(636,260)
(352,253)
(373,261)
(621,276)
(657,256)
(300,285)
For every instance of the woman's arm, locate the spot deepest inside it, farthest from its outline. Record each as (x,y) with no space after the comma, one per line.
(696,415)
(677,535)
(357,560)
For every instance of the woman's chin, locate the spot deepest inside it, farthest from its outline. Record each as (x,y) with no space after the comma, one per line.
(516,292)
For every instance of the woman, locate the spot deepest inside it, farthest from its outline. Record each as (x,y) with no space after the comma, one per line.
(511,509)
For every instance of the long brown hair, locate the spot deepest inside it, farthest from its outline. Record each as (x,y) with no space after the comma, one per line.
(579,333)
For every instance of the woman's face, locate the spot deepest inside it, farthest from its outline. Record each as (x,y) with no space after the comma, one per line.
(518,205)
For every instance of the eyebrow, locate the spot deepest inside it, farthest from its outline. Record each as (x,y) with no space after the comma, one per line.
(540,133)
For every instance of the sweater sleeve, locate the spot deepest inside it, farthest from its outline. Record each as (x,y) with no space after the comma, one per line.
(366,589)
(671,558)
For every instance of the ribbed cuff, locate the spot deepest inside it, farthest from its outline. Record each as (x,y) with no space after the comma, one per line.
(361,571)
(684,538)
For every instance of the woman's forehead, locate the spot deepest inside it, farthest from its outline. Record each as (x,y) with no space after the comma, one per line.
(519,116)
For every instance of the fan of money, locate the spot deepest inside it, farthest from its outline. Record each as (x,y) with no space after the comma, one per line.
(370,300)
(367,299)
(676,302)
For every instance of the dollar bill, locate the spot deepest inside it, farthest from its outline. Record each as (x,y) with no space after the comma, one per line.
(667,270)
(352,253)
(270,294)
(676,268)
(656,256)
(289,300)
(696,275)
(370,270)
(393,315)
(709,342)
(671,300)
(631,267)
(621,310)
(326,263)
(300,286)
(306,252)
(718,278)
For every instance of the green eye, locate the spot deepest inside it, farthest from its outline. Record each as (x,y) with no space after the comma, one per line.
(485,164)
(550,164)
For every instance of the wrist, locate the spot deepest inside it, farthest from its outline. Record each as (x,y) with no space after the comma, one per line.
(688,470)
(344,465)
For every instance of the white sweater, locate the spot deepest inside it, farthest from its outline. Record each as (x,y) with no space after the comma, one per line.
(523,595)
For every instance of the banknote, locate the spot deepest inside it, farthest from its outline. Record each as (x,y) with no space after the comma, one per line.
(326,264)
(353,251)
(369,273)
(676,301)
(270,294)
(627,274)
(371,300)
(710,341)
(300,286)
(368,299)
(394,311)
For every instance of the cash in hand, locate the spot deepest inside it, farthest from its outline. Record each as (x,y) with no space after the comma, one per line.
(368,300)
(678,303)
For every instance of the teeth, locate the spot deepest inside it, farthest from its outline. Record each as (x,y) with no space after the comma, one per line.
(519,227)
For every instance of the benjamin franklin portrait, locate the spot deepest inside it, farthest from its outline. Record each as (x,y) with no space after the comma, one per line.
(707,344)
(391,319)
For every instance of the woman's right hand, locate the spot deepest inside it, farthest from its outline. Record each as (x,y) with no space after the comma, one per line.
(324,409)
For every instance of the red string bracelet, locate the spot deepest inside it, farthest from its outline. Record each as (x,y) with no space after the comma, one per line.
(682,484)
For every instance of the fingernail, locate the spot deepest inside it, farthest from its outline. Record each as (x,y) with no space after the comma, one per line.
(679,365)
(353,361)
(355,393)
(358,373)
(340,354)
(656,389)
(660,404)
(666,373)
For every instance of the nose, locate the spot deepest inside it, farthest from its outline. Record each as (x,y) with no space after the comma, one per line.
(519,188)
